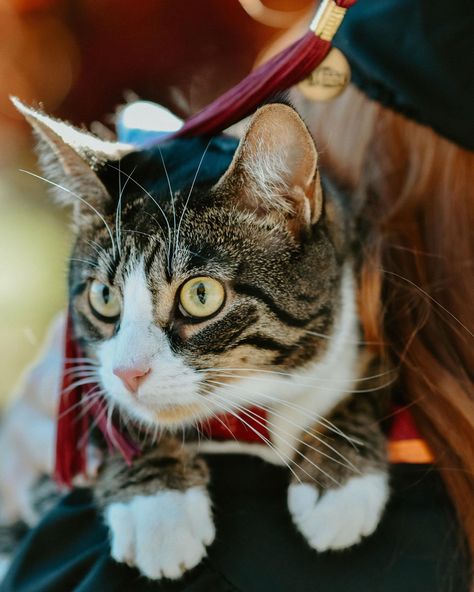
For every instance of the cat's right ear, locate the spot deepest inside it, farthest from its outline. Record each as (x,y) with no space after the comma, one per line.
(69,159)
(274,171)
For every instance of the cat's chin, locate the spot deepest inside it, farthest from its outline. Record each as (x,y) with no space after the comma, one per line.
(172,416)
(178,414)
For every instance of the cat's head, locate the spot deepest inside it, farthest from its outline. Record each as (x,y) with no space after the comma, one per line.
(205,275)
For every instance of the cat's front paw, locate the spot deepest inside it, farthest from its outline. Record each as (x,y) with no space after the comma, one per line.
(339,518)
(164,534)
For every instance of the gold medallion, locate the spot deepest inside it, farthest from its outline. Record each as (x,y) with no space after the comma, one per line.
(329,79)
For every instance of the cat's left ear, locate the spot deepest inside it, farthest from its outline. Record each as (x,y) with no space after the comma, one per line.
(69,158)
(274,170)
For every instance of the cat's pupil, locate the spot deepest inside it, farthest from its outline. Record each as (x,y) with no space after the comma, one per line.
(201,293)
(106,294)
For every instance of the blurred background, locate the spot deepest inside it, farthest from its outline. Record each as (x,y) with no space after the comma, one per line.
(38,59)
(79,60)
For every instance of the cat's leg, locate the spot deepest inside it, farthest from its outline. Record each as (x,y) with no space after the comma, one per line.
(158,510)
(341,488)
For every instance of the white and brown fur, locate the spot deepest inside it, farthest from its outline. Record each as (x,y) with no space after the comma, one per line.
(286,339)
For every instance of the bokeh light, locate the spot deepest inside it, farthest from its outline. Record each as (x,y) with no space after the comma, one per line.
(39,61)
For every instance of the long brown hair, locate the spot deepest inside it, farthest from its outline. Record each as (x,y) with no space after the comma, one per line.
(417,279)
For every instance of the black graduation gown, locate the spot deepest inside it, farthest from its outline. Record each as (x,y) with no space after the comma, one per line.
(417,547)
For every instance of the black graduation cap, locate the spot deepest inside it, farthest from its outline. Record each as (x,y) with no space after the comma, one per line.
(416,57)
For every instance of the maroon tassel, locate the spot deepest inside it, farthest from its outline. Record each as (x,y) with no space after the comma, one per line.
(287,68)
(115,439)
(71,425)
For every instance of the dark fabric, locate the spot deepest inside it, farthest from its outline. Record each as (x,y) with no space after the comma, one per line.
(184,160)
(415,56)
(417,547)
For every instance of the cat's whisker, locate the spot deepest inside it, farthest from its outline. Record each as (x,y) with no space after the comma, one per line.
(304,411)
(82,375)
(155,434)
(97,248)
(152,199)
(315,384)
(108,425)
(344,462)
(216,416)
(85,398)
(90,401)
(290,374)
(210,412)
(118,208)
(82,365)
(102,255)
(124,420)
(323,421)
(185,207)
(249,413)
(227,409)
(83,441)
(78,383)
(429,297)
(83,359)
(170,245)
(87,371)
(80,369)
(264,439)
(85,261)
(139,232)
(143,429)
(347,341)
(317,436)
(118,235)
(81,199)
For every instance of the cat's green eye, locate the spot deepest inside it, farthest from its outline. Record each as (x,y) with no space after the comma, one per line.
(104,301)
(201,297)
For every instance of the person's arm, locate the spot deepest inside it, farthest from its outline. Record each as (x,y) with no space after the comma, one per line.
(27,431)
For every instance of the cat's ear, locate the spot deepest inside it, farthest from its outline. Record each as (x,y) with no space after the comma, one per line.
(274,170)
(69,158)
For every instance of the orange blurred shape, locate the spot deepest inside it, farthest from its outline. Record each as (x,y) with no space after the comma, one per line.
(38,60)
(25,6)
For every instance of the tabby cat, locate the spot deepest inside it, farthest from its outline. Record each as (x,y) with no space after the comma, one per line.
(211,277)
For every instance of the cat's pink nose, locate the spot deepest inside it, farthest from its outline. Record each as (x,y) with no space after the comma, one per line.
(132,376)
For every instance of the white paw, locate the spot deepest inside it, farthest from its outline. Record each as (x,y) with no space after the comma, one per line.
(339,518)
(163,535)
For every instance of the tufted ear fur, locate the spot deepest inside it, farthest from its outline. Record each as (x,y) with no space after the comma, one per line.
(69,158)
(274,170)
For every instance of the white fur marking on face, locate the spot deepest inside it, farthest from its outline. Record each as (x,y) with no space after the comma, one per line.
(163,535)
(339,518)
(140,342)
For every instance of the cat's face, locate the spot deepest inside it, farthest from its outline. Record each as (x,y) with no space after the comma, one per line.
(221,297)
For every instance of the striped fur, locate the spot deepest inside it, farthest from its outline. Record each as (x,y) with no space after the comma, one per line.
(286,337)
